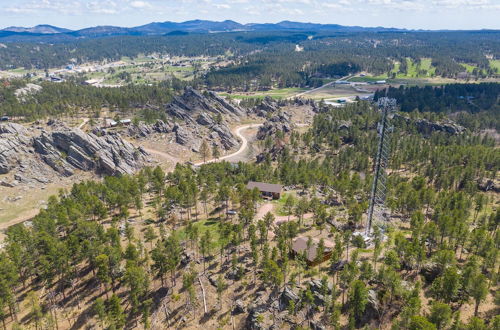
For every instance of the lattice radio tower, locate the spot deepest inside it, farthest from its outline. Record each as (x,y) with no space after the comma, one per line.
(377,212)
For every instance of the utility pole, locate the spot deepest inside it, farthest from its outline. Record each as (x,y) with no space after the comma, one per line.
(377,212)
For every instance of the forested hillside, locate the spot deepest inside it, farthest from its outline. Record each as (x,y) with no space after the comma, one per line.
(72,98)
(272,59)
(162,250)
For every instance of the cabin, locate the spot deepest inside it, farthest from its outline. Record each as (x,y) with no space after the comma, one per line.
(299,247)
(268,190)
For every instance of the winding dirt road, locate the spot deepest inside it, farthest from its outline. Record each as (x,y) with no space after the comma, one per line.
(242,149)
(238,131)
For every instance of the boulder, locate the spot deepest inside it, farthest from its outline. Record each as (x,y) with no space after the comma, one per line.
(12,128)
(316,326)
(144,130)
(205,119)
(162,127)
(182,135)
(8,184)
(212,279)
(186,259)
(239,307)
(253,320)
(286,297)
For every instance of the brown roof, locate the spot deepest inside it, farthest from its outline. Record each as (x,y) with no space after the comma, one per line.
(300,245)
(265,187)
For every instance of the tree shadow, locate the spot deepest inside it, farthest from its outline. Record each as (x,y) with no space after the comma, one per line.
(207,316)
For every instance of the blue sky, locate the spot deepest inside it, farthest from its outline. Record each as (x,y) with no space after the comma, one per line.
(414,14)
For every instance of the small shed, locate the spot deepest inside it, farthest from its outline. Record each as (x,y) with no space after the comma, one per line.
(299,247)
(267,189)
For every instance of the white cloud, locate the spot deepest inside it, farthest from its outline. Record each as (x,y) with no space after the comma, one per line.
(222,6)
(103,7)
(140,4)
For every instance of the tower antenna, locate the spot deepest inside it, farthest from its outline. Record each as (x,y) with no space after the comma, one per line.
(377,212)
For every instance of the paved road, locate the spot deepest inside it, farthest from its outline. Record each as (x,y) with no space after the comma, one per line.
(318,88)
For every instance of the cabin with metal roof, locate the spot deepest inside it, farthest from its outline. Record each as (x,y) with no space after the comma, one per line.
(300,247)
(268,190)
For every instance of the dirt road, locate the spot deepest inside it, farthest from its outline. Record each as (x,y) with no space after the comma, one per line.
(238,131)
(241,150)
(268,207)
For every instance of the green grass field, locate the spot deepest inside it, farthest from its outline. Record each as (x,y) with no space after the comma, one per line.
(469,68)
(19,70)
(495,64)
(367,78)
(279,93)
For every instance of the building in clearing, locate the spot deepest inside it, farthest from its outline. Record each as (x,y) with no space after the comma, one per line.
(268,190)
(300,247)
(110,123)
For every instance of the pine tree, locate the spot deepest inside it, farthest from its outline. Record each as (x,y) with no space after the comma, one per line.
(204,150)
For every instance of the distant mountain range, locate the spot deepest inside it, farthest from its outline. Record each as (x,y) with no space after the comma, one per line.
(39,29)
(49,33)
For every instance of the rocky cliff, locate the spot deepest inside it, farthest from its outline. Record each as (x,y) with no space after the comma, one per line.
(194,104)
(196,117)
(35,155)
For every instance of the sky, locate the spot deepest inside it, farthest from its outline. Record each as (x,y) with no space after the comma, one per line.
(412,14)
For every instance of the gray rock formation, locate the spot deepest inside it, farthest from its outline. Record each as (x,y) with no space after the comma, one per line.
(286,297)
(182,135)
(226,137)
(266,107)
(144,130)
(12,128)
(279,122)
(192,102)
(64,150)
(72,148)
(316,286)
(13,144)
(426,127)
(253,322)
(199,112)
(205,119)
